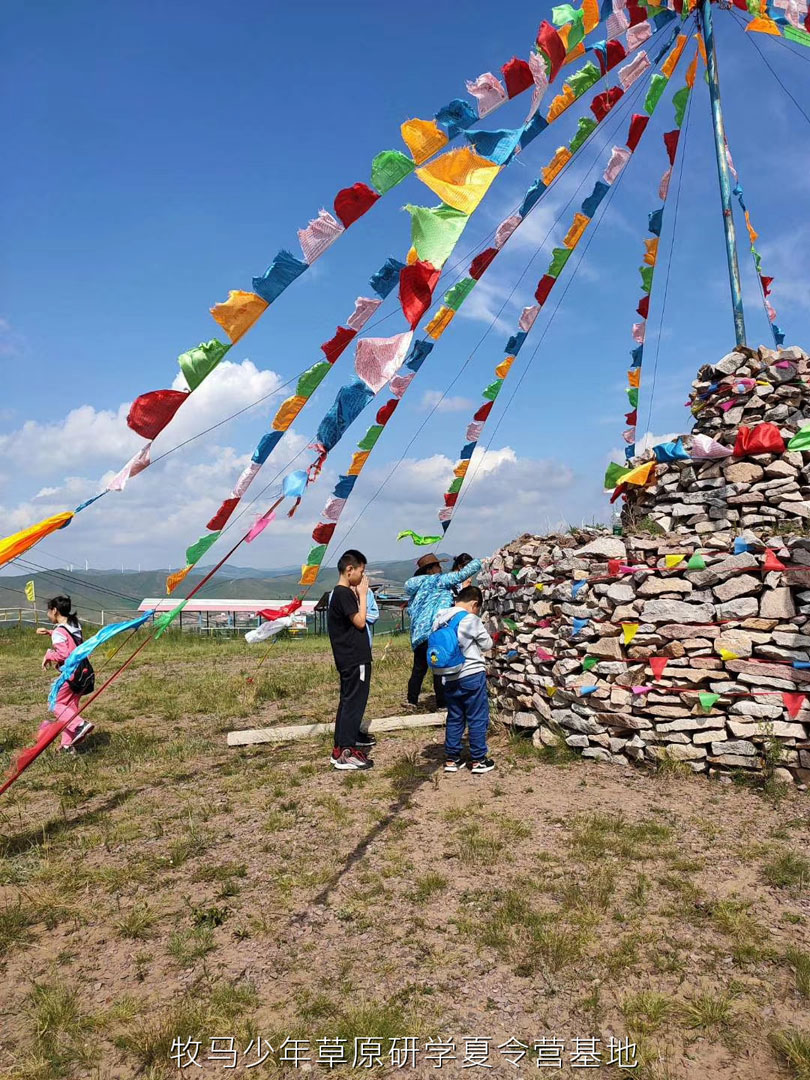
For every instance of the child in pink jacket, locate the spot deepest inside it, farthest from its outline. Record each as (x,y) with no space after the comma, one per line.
(65,636)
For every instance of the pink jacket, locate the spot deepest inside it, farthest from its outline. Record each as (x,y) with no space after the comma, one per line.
(63,644)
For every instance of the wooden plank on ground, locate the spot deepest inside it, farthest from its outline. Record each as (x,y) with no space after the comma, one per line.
(285,733)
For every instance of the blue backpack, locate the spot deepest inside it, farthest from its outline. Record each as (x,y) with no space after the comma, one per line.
(443,650)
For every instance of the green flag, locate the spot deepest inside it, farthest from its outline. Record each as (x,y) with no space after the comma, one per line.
(632,396)
(657,86)
(584,79)
(197,364)
(435,231)
(679,100)
(613,475)
(510,624)
(370,437)
(559,257)
(388,168)
(697,562)
(420,541)
(707,700)
(198,549)
(315,557)
(456,296)
(164,620)
(801,440)
(493,390)
(646,277)
(589,662)
(793,33)
(456,485)
(585,125)
(312,378)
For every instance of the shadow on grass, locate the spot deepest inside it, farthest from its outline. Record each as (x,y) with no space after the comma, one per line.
(21,842)
(406,783)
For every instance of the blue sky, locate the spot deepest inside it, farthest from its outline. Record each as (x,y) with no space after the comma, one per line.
(162,155)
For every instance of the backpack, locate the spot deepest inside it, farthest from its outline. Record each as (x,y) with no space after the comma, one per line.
(83,679)
(443,650)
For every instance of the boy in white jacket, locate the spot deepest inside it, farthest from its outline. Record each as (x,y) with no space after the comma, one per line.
(466,689)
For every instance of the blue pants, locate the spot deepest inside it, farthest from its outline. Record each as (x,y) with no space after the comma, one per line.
(467,703)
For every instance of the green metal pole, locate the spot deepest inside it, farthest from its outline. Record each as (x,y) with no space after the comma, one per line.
(722,171)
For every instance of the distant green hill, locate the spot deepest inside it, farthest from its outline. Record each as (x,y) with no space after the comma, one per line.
(94,591)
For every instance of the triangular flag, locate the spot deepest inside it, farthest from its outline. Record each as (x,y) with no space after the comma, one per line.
(540,586)
(577,587)
(697,562)
(727,654)
(585,690)
(740,545)
(673,560)
(641,689)
(614,567)
(510,624)
(657,664)
(579,624)
(589,662)
(771,562)
(543,654)
(629,631)
(551,690)
(793,703)
(707,700)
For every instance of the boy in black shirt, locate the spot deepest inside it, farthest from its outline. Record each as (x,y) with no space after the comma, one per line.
(351,646)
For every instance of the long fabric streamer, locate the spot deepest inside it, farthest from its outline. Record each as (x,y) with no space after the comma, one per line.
(83,651)
(619,157)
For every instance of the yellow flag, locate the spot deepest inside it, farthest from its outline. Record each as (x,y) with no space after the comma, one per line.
(727,654)
(763,26)
(551,690)
(555,166)
(439,323)
(640,475)
(30,594)
(673,560)
(629,631)
(539,586)
(502,370)
(309,573)
(560,103)
(18,542)
(238,313)
(424,138)
(578,227)
(460,178)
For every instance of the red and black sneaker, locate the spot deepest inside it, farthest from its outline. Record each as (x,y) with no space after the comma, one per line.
(349,759)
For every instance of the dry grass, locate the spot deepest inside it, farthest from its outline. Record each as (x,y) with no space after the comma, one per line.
(159,886)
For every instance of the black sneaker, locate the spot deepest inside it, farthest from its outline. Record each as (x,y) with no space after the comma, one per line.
(365,738)
(484,765)
(451,765)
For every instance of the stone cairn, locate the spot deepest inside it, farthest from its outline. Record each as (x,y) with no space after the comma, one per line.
(577,617)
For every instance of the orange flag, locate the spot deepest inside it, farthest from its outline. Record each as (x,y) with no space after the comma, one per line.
(18,542)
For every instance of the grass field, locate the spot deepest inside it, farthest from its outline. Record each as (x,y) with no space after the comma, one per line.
(159,886)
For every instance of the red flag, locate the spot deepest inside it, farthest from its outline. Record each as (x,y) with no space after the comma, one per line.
(450,499)
(352,202)
(637,124)
(544,287)
(793,703)
(416,284)
(631,418)
(30,753)
(766,281)
(644,306)
(604,102)
(220,518)
(517,75)
(335,346)
(323,532)
(613,567)
(150,413)
(551,46)
(671,143)
(542,654)
(616,52)
(764,438)
(771,562)
(636,12)
(386,412)
(620,489)
(481,262)
(484,411)
(658,663)
(271,614)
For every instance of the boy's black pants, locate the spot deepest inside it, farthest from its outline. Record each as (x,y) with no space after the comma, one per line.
(418,672)
(355,683)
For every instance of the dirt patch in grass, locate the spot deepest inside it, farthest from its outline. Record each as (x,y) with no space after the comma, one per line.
(160,886)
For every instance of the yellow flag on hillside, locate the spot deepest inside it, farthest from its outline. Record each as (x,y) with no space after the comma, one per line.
(629,631)
(30,593)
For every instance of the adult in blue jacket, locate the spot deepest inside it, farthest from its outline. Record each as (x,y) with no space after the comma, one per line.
(429,592)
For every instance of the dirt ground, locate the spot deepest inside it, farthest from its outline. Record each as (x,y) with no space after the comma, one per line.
(159,889)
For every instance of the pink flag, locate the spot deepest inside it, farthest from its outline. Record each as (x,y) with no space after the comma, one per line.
(474,431)
(793,704)
(505,229)
(663,187)
(245,480)
(637,66)
(629,436)
(617,23)
(657,664)
(489,92)
(528,316)
(726,405)
(400,383)
(445,513)
(638,34)
(770,310)
(259,526)
(333,509)
(136,464)
(537,65)
(619,156)
(705,447)
(364,308)
(376,359)
(318,235)
(639,329)
(641,689)
(542,654)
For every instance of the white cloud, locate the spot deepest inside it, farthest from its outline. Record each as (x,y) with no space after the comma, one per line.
(88,436)
(435,399)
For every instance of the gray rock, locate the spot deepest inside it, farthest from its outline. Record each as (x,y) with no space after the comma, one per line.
(655,586)
(780,729)
(597,753)
(678,611)
(777,604)
(740,585)
(740,608)
(579,724)
(736,746)
(606,547)
(677,752)
(577,740)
